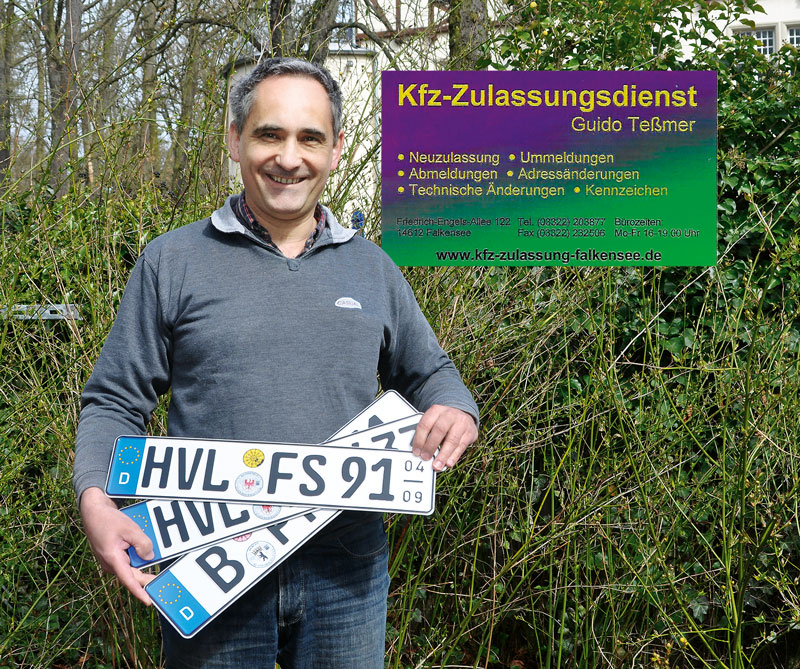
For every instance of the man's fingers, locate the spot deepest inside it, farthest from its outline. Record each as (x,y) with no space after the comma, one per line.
(446,429)
(434,440)
(140,541)
(142,578)
(423,430)
(110,533)
(131,578)
(451,452)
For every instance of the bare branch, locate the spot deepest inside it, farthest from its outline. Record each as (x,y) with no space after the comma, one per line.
(373,37)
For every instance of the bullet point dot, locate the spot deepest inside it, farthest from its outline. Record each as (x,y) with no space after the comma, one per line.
(577,189)
(512,157)
(401,173)
(510,173)
(400,156)
(401,190)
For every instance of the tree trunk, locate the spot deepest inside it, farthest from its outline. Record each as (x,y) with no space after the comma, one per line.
(62,72)
(5,89)
(467,31)
(189,85)
(149,144)
(72,93)
(280,26)
(41,103)
(317,29)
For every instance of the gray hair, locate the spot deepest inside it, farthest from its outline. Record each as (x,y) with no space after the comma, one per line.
(243,93)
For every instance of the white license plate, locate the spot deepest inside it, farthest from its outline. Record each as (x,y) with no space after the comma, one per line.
(203,583)
(353,477)
(359,477)
(200,598)
(389,407)
(178,526)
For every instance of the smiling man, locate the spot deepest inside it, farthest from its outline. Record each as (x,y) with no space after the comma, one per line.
(286,147)
(268,321)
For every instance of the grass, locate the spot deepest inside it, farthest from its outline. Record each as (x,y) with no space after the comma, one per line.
(631,501)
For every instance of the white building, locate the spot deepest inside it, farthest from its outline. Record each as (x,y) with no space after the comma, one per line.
(779,25)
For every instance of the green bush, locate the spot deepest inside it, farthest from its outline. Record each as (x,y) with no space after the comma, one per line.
(632,499)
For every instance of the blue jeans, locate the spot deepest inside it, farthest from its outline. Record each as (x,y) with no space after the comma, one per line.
(323,608)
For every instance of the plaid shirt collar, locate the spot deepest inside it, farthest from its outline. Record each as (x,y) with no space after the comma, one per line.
(246,218)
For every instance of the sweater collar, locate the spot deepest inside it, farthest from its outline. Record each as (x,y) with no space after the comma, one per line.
(224,219)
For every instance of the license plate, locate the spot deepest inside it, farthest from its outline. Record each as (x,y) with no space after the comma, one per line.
(178,526)
(203,583)
(356,477)
(199,598)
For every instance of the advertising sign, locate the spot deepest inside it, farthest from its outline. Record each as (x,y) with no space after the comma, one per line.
(549,168)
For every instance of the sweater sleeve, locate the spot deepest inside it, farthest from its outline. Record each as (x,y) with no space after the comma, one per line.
(132,371)
(414,364)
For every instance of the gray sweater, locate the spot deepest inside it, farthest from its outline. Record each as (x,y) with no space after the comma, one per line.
(257,346)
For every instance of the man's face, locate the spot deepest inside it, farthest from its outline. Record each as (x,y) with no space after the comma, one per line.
(286,150)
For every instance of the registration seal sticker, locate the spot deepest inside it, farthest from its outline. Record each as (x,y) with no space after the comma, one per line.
(266,511)
(249,484)
(260,553)
(254,457)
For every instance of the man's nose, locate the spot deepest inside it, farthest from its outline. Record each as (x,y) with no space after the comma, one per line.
(289,155)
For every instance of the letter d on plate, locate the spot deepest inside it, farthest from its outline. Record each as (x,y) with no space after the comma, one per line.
(184,611)
(126,462)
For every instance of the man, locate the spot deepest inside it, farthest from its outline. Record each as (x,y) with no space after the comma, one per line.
(268,322)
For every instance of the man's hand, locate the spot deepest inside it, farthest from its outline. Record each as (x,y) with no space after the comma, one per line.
(445,428)
(110,533)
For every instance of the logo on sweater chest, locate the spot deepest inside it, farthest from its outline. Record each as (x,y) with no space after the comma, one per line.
(348,303)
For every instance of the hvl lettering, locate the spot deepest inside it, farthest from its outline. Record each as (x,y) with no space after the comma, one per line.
(186,472)
(202,522)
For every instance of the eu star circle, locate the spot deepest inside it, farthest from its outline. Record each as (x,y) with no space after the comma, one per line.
(169,593)
(129,454)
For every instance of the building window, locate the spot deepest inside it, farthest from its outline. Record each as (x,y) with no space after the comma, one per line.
(345,14)
(765,38)
(794,37)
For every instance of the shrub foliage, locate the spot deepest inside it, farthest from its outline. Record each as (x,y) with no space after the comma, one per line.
(632,499)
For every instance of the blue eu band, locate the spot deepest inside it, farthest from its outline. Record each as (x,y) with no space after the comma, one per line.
(177,603)
(126,463)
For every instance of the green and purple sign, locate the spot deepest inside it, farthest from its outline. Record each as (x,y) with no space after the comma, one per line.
(549,168)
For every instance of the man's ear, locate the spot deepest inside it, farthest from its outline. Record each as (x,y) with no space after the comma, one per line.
(337,150)
(233,142)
